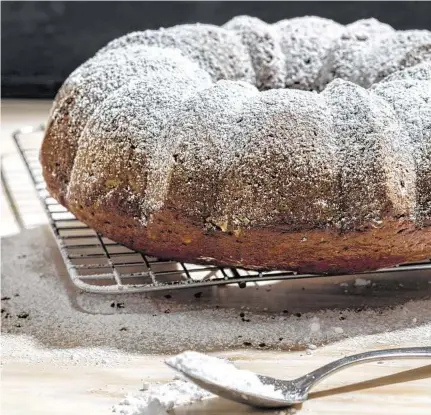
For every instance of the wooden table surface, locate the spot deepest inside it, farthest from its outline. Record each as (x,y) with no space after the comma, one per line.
(393,387)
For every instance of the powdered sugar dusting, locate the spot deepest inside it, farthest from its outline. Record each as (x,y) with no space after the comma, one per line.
(159,398)
(294,156)
(128,125)
(90,84)
(207,143)
(419,72)
(409,93)
(263,43)
(305,41)
(368,50)
(365,125)
(218,51)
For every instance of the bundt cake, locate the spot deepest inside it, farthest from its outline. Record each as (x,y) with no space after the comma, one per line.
(302,145)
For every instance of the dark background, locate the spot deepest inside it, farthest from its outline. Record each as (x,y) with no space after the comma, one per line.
(42,42)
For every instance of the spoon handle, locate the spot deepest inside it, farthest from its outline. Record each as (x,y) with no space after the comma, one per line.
(312,378)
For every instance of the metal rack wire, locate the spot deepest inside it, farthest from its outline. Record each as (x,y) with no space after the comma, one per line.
(99,265)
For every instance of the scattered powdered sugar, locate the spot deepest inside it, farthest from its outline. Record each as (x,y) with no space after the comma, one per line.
(223,373)
(38,303)
(159,398)
(315,325)
(361,282)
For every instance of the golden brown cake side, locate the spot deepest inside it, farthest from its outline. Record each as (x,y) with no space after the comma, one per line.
(316,251)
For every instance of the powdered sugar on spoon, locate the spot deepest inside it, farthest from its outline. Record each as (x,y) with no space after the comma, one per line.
(218,375)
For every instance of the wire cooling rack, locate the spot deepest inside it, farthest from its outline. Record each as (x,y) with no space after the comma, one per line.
(99,265)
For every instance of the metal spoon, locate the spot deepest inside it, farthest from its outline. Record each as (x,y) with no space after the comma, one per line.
(296,390)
